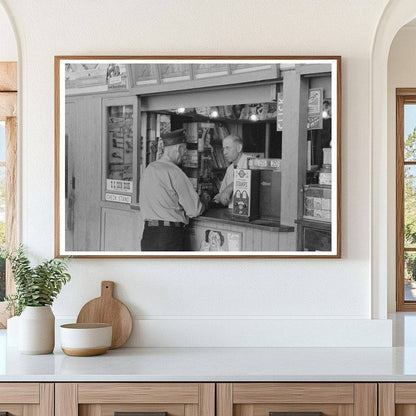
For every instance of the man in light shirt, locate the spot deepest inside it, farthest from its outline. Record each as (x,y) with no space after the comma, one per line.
(167,198)
(232,147)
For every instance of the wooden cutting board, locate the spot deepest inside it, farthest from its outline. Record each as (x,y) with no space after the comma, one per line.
(107,309)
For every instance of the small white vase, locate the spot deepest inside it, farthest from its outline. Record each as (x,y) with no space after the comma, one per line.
(13,331)
(37,330)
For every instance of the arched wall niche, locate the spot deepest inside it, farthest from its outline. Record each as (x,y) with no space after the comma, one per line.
(396,15)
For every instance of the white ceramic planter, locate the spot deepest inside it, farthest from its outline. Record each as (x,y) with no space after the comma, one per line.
(37,330)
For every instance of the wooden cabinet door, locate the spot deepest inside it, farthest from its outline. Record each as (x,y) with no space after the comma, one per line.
(297,399)
(397,399)
(26,399)
(105,399)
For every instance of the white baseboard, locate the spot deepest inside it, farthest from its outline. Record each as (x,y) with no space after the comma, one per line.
(255,332)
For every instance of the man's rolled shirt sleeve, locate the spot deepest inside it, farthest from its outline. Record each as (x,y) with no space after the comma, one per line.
(188,198)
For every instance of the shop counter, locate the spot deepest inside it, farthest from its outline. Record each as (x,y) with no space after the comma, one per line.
(216,230)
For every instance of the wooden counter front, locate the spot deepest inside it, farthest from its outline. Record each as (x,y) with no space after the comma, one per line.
(258,235)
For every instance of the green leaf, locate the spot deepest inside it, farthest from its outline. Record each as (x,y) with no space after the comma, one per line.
(35,286)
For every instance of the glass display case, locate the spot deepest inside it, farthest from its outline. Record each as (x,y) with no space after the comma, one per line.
(120,150)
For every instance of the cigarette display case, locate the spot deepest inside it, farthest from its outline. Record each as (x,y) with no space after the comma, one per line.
(314,229)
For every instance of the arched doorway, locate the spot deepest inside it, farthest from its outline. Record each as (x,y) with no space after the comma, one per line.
(396,14)
(8,148)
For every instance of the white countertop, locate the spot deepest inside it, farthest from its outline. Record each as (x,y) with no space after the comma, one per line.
(213,364)
(222,364)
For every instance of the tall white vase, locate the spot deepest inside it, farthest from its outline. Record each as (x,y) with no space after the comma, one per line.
(37,330)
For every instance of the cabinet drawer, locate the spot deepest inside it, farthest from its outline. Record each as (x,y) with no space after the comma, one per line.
(21,399)
(138,393)
(264,399)
(397,399)
(19,393)
(106,399)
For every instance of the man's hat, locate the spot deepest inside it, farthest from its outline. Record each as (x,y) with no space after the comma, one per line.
(174,137)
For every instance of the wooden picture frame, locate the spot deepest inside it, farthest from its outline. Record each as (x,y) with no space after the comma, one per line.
(111,113)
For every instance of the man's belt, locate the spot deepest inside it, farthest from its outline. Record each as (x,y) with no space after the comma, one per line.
(160,223)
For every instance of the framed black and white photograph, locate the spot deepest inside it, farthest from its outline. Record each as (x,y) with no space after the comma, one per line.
(198,156)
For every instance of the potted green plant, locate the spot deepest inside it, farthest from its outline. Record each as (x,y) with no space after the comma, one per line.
(36,289)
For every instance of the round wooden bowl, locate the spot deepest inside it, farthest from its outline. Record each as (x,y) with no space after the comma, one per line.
(84,340)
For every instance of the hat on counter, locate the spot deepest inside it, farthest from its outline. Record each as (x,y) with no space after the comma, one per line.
(174,137)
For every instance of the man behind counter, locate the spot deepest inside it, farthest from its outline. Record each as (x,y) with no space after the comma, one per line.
(232,147)
(167,198)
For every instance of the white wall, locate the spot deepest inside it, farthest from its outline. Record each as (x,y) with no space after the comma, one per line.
(401,74)
(8,46)
(211,302)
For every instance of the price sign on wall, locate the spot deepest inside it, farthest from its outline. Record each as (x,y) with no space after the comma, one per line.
(119,185)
